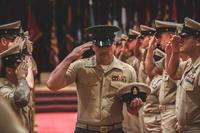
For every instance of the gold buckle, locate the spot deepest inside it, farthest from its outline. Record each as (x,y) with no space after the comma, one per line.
(162,107)
(103,129)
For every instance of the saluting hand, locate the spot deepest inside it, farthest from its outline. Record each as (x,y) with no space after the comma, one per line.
(168,49)
(22,70)
(152,42)
(29,45)
(78,51)
(138,42)
(18,41)
(175,41)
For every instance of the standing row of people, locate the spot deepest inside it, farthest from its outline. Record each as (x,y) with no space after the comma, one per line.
(17,73)
(166,58)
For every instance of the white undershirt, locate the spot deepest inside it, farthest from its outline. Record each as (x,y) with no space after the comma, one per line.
(105,67)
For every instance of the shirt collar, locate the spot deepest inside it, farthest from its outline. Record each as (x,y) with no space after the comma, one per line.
(197,63)
(91,62)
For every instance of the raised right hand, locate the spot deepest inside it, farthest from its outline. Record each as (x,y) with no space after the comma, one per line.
(168,49)
(174,41)
(18,41)
(22,70)
(78,51)
(152,42)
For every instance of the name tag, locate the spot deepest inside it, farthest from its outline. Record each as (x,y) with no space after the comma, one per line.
(188,82)
(119,78)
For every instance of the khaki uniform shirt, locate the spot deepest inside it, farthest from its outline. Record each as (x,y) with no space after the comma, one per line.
(134,62)
(142,76)
(8,121)
(95,88)
(188,106)
(182,66)
(168,90)
(24,114)
(152,102)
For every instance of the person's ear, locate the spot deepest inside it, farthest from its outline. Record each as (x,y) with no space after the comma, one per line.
(4,41)
(198,42)
(9,70)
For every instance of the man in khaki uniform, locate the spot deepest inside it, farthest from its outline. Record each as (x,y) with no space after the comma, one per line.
(13,82)
(152,118)
(121,48)
(146,33)
(140,53)
(131,122)
(98,79)
(167,95)
(8,120)
(132,40)
(188,106)
(127,44)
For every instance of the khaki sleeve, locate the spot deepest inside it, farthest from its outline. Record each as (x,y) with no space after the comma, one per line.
(9,122)
(8,93)
(181,68)
(133,75)
(198,78)
(136,64)
(72,71)
(142,77)
(159,85)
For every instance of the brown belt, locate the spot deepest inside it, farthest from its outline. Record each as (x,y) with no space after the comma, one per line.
(101,129)
(165,107)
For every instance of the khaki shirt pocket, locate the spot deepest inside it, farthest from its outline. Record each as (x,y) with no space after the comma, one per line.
(115,86)
(189,81)
(169,84)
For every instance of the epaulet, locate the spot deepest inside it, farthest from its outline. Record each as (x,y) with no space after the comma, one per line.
(89,62)
(3,82)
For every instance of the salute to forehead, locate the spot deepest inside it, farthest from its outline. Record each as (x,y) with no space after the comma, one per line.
(164,31)
(133,34)
(146,30)
(165,26)
(11,55)
(190,27)
(9,31)
(12,29)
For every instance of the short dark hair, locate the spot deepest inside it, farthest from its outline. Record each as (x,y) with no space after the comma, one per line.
(11,62)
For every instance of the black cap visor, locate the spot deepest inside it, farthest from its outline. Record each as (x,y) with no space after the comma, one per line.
(186,31)
(103,43)
(165,29)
